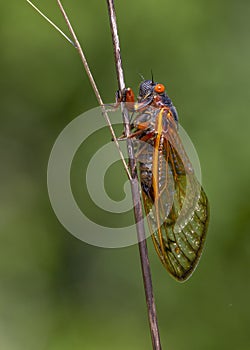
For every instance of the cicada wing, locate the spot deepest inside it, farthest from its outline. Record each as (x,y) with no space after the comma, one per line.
(178,215)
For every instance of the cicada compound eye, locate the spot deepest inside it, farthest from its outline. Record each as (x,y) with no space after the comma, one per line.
(159,88)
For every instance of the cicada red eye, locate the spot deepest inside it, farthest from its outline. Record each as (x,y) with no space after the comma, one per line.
(159,88)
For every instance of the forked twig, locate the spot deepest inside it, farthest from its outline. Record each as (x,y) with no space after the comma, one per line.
(77,45)
(135,191)
(93,84)
(50,22)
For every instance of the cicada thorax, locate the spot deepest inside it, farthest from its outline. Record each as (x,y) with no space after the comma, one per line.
(152,149)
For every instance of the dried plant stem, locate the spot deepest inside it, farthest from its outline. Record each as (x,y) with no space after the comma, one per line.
(93,84)
(77,45)
(50,22)
(135,191)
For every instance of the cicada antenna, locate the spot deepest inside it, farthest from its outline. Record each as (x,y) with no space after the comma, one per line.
(152,76)
(142,77)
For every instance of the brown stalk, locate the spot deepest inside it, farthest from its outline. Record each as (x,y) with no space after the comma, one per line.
(151,308)
(131,171)
(93,84)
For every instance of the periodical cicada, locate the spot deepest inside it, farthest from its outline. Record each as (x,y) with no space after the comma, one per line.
(175,203)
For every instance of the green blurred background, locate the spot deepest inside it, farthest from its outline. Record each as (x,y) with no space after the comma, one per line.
(57,292)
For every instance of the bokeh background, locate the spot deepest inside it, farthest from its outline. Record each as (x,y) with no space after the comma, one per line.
(56,292)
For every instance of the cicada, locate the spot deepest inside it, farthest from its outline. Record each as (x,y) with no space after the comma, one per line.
(175,203)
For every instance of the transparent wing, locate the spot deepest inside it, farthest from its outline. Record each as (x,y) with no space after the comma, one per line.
(175,203)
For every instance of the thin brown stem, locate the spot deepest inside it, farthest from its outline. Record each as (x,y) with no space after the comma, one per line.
(77,45)
(50,22)
(93,84)
(135,191)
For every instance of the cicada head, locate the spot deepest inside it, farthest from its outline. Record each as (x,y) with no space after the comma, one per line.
(148,90)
